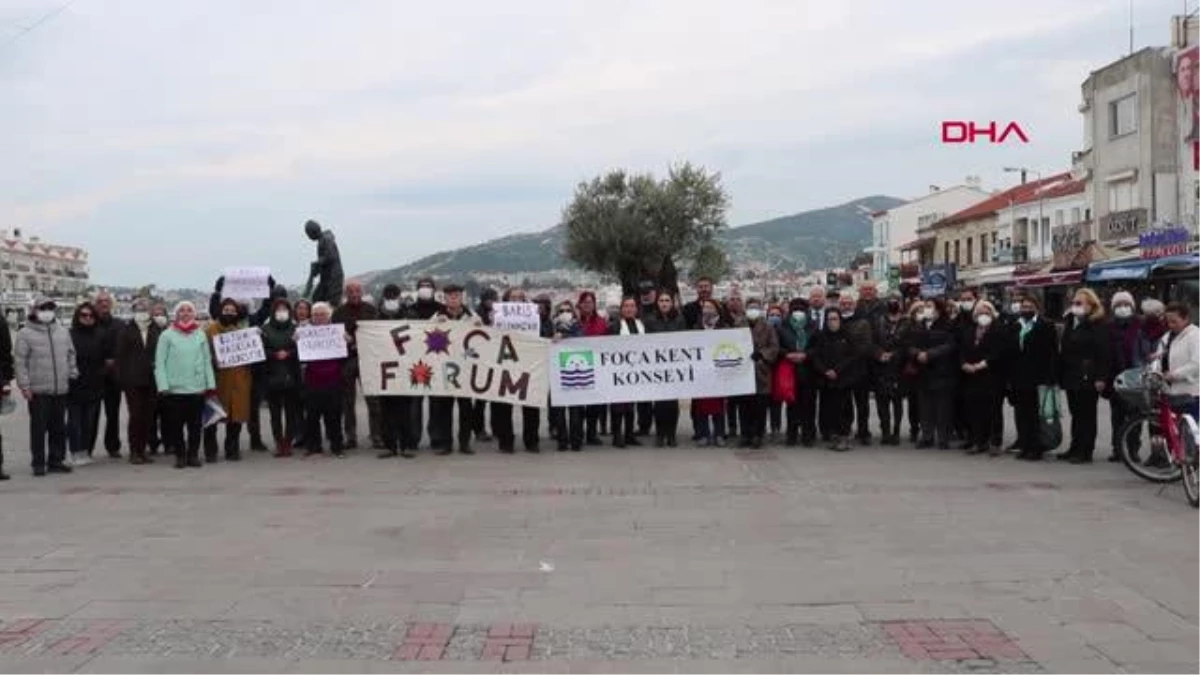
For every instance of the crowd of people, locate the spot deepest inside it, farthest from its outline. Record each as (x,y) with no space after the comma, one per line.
(947,365)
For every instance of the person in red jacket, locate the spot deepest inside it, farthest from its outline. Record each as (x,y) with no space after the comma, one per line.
(591,324)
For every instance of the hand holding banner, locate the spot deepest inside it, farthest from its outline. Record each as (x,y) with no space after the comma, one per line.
(238,348)
(246,283)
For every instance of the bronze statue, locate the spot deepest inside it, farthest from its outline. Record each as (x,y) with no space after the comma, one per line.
(327,266)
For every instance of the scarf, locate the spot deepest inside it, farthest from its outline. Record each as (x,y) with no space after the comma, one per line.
(629,324)
(185,329)
(801,334)
(1026,328)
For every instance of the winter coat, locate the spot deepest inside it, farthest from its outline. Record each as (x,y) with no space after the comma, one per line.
(766,351)
(861,331)
(234,385)
(939,343)
(991,347)
(1183,361)
(1035,359)
(135,356)
(595,326)
(424,310)
(350,315)
(183,362)
(1128,349)
(280,374)
(90,355)
(7,367)
(790,341)
(1085,354)
(45,358)
(891,337)
(673,321)
(110,328)
(837,351)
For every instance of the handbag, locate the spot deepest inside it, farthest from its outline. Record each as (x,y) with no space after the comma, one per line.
(783,386)
(1050,433)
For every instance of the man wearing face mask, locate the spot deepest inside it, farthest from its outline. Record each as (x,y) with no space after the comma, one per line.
(1035,363)
(45,365)
(354,309)
(136,345)
(859,331)
(394,412)
(441,408)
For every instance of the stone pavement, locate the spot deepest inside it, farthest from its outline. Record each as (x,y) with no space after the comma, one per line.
(646,560)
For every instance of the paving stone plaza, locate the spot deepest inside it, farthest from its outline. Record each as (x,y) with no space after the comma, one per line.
(689,559)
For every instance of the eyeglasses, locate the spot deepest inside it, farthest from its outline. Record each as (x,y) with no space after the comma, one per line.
(87,315)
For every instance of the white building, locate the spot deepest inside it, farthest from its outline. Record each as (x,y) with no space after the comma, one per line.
(1185,40)
(31,267)
(895,227)
(1025,230)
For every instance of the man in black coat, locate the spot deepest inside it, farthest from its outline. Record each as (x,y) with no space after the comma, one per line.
(109,327)
(861,334)
(1034,364)
(7,373)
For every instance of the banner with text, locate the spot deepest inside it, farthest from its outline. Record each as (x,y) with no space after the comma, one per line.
(238,348)
(655,367)
(246,283)
(430,358)
(320,343)
(522,317)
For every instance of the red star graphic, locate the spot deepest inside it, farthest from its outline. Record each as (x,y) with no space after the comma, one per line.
(419,374)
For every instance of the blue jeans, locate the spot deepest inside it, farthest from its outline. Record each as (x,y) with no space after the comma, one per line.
(82,422)
(710,426)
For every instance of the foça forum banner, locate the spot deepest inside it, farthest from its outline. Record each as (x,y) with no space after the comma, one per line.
(451,358)
(655,367)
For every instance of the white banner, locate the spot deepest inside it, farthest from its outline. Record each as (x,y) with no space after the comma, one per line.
(246,283)
(238,348)
(319,343)
(655,367)
(521,317)
(451,358)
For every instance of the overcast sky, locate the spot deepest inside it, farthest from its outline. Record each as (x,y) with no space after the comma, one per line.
(174,138)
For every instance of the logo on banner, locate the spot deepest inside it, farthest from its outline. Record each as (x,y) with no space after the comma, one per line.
(727,355)
(420,374)
(577,370)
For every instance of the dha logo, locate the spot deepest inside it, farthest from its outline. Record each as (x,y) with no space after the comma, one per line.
(727,355)
(577,370)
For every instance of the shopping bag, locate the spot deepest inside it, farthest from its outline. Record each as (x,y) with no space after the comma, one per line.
(1050,433)
(783,388)
(213,413)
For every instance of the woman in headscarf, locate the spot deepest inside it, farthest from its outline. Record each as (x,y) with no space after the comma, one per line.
(183,374)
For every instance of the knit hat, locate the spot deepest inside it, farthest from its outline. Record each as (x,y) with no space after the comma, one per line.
(1122,297)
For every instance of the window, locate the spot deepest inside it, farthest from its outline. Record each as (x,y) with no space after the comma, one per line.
(1121,196)
(1087,214)
(994,242)
(1058,216)
(1122,116)
(946,252)
(957,250)
(1075,214)
(970,248)
(983,247)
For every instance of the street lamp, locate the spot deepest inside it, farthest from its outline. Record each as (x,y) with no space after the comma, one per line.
(1038,175)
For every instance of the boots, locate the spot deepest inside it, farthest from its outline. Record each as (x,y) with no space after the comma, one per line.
(3,476)
(233,442)
(618,431)
(210,446)
(464,443)
(283,447)
(180,458)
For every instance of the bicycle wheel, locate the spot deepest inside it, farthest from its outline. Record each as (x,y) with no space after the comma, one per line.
(1144,451)
(1191,464)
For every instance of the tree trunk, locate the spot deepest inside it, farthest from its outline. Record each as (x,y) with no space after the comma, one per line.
(668,275)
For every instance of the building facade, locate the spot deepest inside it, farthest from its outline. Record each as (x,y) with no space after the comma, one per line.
(1027,228)
(894,228)
(30,267)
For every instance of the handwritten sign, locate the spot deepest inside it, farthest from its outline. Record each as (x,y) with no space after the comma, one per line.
(238,348)
(321,343)
(521,317)
(427,358)
(246,283)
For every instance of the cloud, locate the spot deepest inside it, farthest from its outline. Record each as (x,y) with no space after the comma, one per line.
(413,128)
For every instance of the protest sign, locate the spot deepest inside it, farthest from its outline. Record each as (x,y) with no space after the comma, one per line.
(246,283)
(318,343)
(521,317)
(656,367)
(451,358)
(238,348)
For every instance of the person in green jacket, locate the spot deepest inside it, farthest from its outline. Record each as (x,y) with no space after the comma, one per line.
(183,372)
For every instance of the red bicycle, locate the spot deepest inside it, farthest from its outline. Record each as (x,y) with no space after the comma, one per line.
(1162,425)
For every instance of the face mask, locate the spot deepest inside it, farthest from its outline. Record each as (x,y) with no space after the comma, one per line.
(227,320)
(141,318)
(1015,308)
(926,315)
(565,317)
(984,320)
(1078,311)
(391,305)
(967,305)
(1028,314)
(754,314)
(774,320)
(160,320)
(893,307)
(800,317)
(425,293)
(1123,312)
(847,315)
(45,315)
(282,317)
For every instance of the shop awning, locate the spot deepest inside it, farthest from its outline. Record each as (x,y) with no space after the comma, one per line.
(996,275)
(1049,279)
(917,244)
(1176,263)
(1118,270)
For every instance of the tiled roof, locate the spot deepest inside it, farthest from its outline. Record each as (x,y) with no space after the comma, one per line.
(1001,200)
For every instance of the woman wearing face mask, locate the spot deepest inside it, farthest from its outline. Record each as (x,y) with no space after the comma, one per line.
(531,416)
(1179,360)
(592,324)
(910,371)
(838,359)
(774,407)
(83,402)
(627,323)
(796,334)
(183,375)
(665,318)
(1084,371)
(981,358)
(891,334)
(752,410)
(710,412)
(282,373)
(161,321)
(136,345)
(935,351)
(568,418)
(233,389)
(1127,350)
(1034,364)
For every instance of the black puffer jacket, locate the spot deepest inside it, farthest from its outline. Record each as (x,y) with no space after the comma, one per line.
(91,350)
(1085,355)
(838,351)
(656,322)
(938,341)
